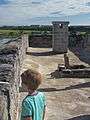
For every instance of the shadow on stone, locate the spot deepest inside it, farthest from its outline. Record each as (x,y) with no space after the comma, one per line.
(54,74)
(83,117)
(49,89)
(50,53)
(78,86)
(81,54)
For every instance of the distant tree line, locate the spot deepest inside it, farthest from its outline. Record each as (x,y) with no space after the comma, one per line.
(31,27)
(46,28)
(74,29)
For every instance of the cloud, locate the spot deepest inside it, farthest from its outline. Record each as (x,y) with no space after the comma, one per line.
(53,13)
(21,11)
(3,2)
(71,7)
(36,2)
(88,4)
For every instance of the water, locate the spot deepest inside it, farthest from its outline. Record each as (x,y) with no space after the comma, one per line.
(3,41)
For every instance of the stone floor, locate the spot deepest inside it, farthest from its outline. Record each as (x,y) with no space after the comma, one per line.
(67,98)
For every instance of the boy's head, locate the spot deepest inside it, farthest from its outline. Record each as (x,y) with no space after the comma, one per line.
(32,79)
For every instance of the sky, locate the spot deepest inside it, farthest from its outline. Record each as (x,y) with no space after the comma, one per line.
(28,12)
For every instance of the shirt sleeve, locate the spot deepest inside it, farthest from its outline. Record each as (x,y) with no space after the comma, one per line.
(26,109)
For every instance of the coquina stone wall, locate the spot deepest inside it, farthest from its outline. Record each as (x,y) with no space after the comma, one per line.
(11,58)
(40,41)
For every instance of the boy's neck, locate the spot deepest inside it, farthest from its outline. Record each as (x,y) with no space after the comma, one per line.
(32,92)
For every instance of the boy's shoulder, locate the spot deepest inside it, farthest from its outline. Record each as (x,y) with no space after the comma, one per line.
(41,93)
(30,97)
(42,96)
(39,98)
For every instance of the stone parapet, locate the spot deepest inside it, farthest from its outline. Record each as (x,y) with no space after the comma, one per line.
(11,57)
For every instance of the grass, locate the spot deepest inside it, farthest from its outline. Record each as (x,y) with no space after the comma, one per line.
(13,33)
(16,33)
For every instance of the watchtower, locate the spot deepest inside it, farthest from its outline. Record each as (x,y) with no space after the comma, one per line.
(60,36)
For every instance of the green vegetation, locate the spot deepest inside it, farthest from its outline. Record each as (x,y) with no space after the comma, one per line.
(15,31)
(8,33)
(81,29)
(12,33)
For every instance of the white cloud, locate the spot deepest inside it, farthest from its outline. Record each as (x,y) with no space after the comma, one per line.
(18,11)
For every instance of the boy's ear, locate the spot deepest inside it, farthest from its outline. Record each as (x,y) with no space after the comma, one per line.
(24,88)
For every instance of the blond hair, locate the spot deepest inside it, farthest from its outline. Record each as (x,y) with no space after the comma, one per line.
(31,78)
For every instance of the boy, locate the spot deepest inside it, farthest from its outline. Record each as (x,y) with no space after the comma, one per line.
(33,105)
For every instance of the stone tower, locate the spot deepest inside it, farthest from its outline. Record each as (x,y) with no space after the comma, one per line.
(60,36)
(87,44)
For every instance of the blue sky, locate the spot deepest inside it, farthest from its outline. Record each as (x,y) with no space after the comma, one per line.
(27,12)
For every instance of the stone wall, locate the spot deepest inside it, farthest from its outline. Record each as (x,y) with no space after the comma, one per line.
(40,41)
(11,58)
